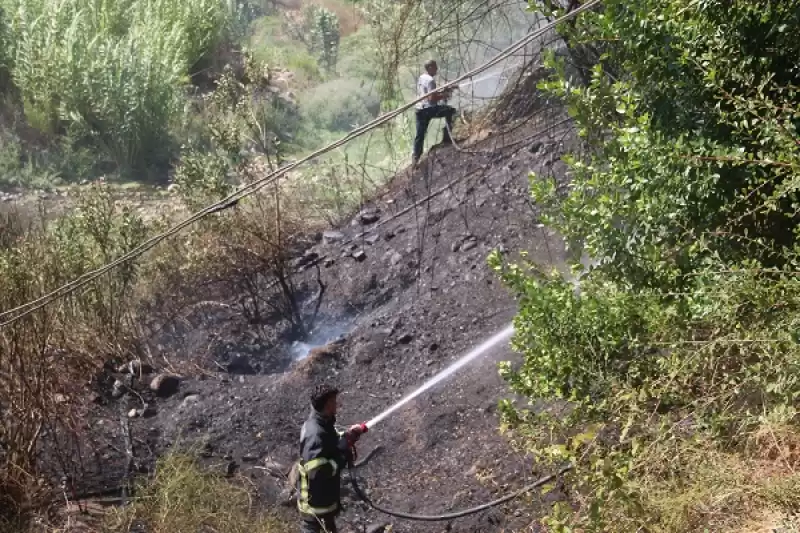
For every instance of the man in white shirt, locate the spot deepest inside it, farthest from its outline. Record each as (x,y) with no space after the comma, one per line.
(431,108)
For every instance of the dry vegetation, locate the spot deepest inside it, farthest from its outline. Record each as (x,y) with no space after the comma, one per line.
(48,358)
(182,498)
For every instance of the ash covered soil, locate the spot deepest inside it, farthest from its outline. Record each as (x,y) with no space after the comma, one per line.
(407,292)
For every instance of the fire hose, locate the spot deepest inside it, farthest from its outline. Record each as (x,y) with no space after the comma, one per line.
(362,495)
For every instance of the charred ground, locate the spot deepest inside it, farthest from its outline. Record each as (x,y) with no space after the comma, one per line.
(407,290)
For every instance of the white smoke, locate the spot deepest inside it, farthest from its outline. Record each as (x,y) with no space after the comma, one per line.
(322,335)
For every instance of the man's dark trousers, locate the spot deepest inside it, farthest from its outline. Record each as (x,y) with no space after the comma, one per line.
(424,116)
(323,524)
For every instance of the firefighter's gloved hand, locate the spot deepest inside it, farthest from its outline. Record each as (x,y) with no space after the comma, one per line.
(355,432)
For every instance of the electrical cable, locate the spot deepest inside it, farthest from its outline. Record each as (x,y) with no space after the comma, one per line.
(13,315)
(458,514)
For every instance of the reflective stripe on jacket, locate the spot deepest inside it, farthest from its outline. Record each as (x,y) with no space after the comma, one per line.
(323,455)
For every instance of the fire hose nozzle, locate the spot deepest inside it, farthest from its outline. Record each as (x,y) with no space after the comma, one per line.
(364,427)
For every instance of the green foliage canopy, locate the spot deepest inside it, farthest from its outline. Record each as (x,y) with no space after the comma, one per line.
(686,197)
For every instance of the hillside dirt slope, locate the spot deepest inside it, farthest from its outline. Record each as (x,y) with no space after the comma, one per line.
(407,291)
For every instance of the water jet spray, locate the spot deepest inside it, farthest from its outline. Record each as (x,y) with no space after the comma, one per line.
(467,358)
(470,356)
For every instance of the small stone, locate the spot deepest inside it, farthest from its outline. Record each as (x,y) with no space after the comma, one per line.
(329,262)
(369,216)
(535,147)
(133,413)
(405,339)
(468,245)
(456,246)
(433,347)
(395,259)
(165,385)
(371,239)
(363,354)
(249,458)
(359,255)
(190,400)
(377,528)
(330,237)
(388,236)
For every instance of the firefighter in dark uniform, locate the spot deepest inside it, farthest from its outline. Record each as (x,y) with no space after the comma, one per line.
(324,453)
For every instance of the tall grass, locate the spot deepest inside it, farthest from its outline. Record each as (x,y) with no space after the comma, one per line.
(111,71)
(182,498)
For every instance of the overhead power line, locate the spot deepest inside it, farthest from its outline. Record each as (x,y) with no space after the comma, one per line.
(19,312)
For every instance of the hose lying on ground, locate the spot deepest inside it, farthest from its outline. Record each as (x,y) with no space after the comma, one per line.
(458,514)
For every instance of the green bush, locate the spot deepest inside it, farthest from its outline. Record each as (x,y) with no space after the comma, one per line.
(10,156)
(677,353)
(111,71)
(202,178)
(21,168)
(319,30)
(31,166)
(271,43)
(358,56)
(242,122)
(324,36)
(5,59)
(339,105)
